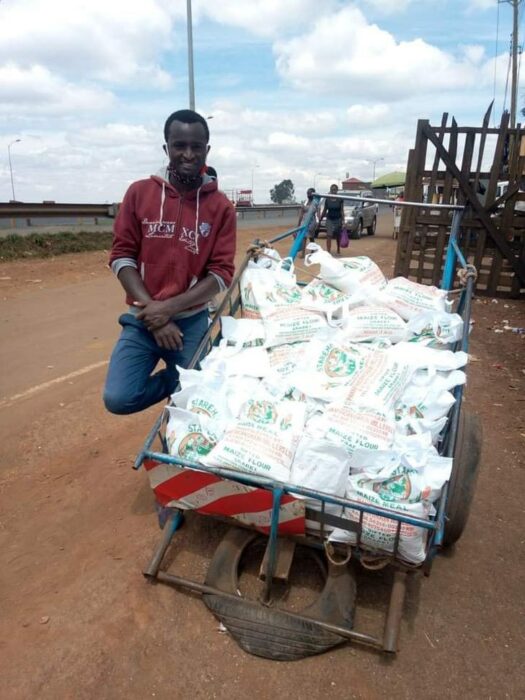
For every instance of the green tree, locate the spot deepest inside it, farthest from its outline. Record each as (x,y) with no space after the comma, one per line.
(283,193)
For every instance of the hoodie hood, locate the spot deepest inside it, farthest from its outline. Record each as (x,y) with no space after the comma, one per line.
(208,184)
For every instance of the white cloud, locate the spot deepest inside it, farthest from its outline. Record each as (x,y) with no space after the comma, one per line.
(37,90)
(474,54)
(305,156)
(280,139)
(115,42)
(265,18)
(368,115)
(373,63)
(228,116)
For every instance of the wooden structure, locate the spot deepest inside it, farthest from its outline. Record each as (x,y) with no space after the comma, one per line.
(472,166)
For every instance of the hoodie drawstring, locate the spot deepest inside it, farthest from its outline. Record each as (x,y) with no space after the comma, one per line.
(162,198)
(197,222)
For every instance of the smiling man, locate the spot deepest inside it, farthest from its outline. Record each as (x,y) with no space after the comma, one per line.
(173,250)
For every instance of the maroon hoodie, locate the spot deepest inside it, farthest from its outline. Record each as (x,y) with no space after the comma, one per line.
(173,239)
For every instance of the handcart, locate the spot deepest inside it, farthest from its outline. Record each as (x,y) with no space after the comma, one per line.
(259,507)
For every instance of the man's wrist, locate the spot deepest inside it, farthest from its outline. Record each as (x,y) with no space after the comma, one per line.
(173,306)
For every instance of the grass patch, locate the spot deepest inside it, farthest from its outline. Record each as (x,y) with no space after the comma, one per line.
(47,245)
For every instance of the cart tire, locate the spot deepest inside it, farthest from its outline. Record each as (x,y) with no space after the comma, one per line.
(269,632)
(372,228)
(356,235)
(464,476)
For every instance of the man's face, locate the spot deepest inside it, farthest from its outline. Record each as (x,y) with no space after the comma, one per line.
(334,189)
(187,148)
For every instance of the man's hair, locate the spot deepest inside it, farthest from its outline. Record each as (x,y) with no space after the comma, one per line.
(186,116)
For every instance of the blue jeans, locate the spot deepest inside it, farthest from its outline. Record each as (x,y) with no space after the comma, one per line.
(130,384)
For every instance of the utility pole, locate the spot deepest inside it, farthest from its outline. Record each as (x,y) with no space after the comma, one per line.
(11,166)
(377,160)
(515,49)
(191,80)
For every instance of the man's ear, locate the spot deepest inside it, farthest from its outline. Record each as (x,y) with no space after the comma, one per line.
(165,148)
(208,150)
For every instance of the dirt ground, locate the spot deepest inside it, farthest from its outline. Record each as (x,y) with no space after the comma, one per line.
(77,525)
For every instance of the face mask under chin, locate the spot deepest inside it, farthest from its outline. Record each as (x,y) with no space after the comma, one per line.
(183,179)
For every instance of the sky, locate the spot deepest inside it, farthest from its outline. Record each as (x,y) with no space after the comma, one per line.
(310,90)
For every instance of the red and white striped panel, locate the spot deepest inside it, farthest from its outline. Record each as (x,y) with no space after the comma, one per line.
(209,494)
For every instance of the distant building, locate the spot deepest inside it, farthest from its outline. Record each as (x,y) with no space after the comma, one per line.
(354,185)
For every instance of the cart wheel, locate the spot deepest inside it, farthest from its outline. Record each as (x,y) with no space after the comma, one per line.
(464,476)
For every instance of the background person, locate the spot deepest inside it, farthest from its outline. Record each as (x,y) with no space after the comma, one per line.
(313,228)
(397,215)
(173,250)
(335,214)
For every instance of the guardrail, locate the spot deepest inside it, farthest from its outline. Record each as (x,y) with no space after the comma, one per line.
(267,211)
(21,216)
(22,212)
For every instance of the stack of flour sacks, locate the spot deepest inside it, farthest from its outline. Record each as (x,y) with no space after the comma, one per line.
(342,386)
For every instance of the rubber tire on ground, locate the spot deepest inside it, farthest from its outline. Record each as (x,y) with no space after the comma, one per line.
(356,235)
(464,476)
(268,631)
(372,229)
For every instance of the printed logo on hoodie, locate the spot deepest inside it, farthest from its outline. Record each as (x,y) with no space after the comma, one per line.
(159,229)
(204,229)
(187,237)
(167,229)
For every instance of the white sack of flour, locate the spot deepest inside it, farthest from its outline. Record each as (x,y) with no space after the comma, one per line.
(263,441)
(367,323)
(327,367)
(409,298)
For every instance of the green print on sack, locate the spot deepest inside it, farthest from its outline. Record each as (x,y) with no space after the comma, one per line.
(426,332)
(397,488)
(204,407)
(249,297)
(194,445)
(290,295)
(338,363)
(262,412)
(286,423)
(326,293)
(358,263)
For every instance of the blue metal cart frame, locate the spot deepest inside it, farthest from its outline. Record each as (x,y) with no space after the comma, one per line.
(171,519)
